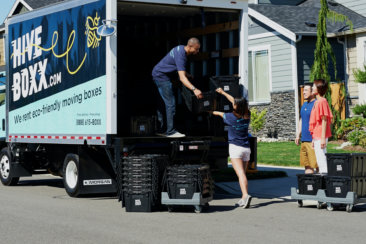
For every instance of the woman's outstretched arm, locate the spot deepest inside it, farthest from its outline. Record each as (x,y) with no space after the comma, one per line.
(217,113)
(228,96)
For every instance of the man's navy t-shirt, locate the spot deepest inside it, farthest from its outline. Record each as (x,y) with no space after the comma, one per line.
(174,61)
(238,130)
(305,117)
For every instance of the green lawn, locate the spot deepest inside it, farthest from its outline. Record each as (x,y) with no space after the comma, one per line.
(284,153)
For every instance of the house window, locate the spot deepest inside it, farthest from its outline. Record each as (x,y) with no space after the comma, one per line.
(259,75)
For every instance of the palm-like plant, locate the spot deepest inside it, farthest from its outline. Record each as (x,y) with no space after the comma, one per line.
(319,70)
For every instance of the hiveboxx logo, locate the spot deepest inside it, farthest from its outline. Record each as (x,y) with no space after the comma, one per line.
(33,79)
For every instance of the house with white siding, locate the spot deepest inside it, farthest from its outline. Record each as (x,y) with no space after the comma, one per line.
(356,53)
(359,6)
(282,41)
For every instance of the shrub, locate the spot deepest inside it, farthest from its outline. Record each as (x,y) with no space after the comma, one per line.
(360,75)
(363,141)
(257,120)
(360,110)
(355,136)
(350,124)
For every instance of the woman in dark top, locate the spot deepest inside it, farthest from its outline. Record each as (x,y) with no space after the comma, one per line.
(239,149)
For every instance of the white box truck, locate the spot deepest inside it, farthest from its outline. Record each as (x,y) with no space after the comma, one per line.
(79,70)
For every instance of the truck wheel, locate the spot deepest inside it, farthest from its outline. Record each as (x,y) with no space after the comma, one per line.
(71,175)
(5,169)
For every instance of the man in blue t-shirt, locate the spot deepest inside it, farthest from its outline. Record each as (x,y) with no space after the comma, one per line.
(174,61)
(307,153)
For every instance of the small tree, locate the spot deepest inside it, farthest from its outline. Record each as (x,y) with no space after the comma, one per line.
(319,70)
(257,120)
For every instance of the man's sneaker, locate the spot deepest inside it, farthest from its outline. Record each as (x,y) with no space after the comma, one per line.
(240,203)
(247,200)
(176,135)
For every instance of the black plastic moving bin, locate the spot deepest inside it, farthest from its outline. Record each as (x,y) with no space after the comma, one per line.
(140,182)
(189,151)
(195,105)
(346,164)
(138,202)
(309,184)
(181,190)
(339,186)
(217,126)
(230,84)
(182,181)
(143,125)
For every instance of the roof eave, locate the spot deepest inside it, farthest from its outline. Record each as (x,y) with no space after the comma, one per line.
(15,5)
(267,21)
(306,33)
(348,32)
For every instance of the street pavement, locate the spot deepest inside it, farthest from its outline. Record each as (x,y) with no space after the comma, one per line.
(38,210)
(271,188)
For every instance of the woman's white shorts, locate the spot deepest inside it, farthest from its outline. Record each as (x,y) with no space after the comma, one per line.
(239,152)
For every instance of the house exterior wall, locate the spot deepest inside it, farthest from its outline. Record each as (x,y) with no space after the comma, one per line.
(280,117)
(352,86)
(305,59)
(359,6)
(361,61)
(280,49)
(2,50)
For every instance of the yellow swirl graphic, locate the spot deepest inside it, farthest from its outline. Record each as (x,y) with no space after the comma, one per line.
(93,41)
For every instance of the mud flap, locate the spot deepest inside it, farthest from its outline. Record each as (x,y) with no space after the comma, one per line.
(96,174)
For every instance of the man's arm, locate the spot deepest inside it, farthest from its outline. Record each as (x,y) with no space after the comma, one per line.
(297,140)
(183,78)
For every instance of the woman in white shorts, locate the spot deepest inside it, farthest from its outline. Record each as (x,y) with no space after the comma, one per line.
(239,148)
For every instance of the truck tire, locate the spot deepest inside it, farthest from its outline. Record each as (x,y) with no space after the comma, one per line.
(71,175)
(5,169)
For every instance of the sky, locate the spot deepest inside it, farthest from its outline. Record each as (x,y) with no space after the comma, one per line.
(5,9)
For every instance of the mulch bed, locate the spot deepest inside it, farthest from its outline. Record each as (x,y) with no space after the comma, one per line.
(349,148)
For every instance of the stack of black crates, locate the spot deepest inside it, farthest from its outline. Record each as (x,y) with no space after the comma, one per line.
(183,181)
(187,174)
(230,84)
(346,173)
(140,179)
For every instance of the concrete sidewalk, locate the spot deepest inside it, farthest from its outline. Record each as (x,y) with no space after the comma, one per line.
(267,188)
